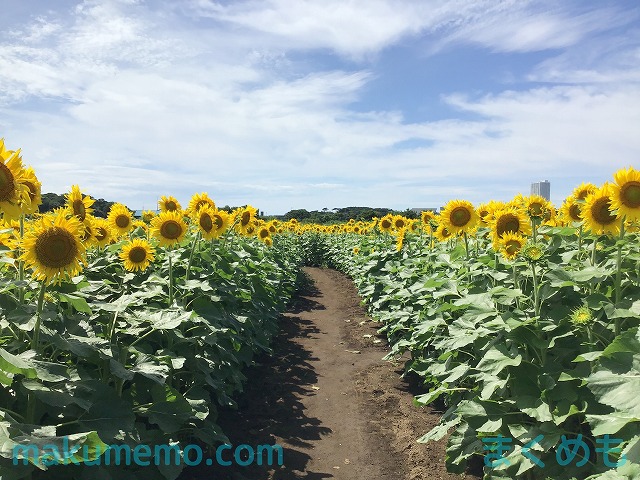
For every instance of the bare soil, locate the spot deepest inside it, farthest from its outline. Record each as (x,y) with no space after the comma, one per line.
(330,400)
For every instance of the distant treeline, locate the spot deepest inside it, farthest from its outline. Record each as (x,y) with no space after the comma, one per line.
(51,201)
(339,215)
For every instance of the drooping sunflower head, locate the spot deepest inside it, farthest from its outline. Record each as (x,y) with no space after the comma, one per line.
(598,213)
(400,235)
(137,255)
(77,204)
(459,216)
(198,201)
(88,234)
(169,228)
(571,210)
(625,196)
(53,249)
(102,232)
(582,191)
(169,204)
(34,190)
(510,245)
(537,206)
(510,220)
(120,219)
(14,194)
(148,215)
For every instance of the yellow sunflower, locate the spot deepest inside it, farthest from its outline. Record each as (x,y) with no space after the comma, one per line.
(268,241)
(598,211)
(582,191)
(459,216)
(52,248)
(399,222)
(120,219)
(147,215)
(169,204)
(137,255)
(510,245)
(88,234)
(386,223)
(441,233)
(7,245)
(102,232)
(263,233)
(571,210)
(78,204)
(510,220)
(210,222)
(13,193)
(538,206)
(168,228)
(245,218)
(198,201)
(400,238)
(34,187)
(625,196)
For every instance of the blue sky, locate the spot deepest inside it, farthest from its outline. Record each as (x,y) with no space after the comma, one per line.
(289,104)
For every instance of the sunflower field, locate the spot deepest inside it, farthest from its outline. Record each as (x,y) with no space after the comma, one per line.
(521,321)
(119,331)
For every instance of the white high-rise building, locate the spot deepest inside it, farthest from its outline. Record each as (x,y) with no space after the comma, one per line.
(541,188)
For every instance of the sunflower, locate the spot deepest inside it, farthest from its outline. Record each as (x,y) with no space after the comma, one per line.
(245,218)
(441,233)
(356,250)
(198,201)
(399,222)
(211,222)
(598,211)
(13,193)
(626,194)
(510,245)
(459,216)
(7,244)
(263,233)
(510,220)
(34,187)
(169,228)
(400,238)
(88,233)
(537,206)
(137,255)
(571,210)
(386,223)
(582,191)
(102,232)
(79,205)
(168,204)
(147,215)
(52,248)
(268,241)
(120,219)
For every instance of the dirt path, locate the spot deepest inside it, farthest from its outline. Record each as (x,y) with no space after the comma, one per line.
(329,399)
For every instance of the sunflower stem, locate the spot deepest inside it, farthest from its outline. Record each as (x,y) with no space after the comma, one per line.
(515,284)
(466,244)
(593,251)
(536,300)
(580,242)
(36,330)
(193,247)
(21,264)
(170,279)
(618,281)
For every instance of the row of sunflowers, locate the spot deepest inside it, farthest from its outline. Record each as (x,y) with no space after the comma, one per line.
(125,331)
(521,321)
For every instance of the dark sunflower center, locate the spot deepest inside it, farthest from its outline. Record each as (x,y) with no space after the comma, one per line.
(101,233)
(206,223)
(445,233)
(171,206)
(601,213)
(630,194)
(137,255)
(574,212)
(385,223)
(264,233)
(536,210)
(56,248)
(171,230)
(399,223)
(122,221)
(272,229)
(250,230)
(246,218)
(507,223)
(201,204)
(7,183)
(460,217)
(512,247)
(79,210)
(217,220)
